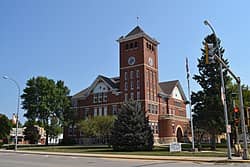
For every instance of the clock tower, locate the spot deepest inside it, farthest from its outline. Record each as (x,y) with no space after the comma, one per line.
(139,68)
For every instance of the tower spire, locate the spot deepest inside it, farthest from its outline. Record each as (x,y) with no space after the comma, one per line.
(137,20)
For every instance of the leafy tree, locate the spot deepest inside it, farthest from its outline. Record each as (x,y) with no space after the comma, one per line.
(131,130)
(31,132)
(208,108)
(104,125)
(55,128)
(88,127)
(99,126)
(5,127)
(44,100)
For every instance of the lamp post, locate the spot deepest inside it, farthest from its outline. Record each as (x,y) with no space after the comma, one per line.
(222,92)
(18,99)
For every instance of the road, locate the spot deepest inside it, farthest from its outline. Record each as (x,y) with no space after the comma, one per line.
(32,160)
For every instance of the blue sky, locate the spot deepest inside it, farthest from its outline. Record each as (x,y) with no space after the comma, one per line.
(75,40)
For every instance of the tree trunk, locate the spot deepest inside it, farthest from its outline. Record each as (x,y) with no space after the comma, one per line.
(213,143)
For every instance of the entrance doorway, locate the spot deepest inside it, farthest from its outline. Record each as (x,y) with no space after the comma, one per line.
(179,135)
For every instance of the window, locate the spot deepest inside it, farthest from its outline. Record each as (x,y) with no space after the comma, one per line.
(105,109)
(126,46)
(100,111)
(131,85)
(70,130)
(131,74)
(138,95)
(95,98)
(114,109)
(138,84)
(177,103)
(137,74)
(136,44)
(126,76)
(149,108)
(100,97)
(131,45)
(105,97)
(132,95)
(126,97)
(148,95)
(126,86)
(95,112)
(86,113)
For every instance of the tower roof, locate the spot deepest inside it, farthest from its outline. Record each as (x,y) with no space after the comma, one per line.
(137,32)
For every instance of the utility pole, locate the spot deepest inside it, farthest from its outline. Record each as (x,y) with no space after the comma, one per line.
(223,94)
(242,116)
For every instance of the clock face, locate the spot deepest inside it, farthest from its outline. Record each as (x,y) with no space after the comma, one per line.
(150,61)
(131,60)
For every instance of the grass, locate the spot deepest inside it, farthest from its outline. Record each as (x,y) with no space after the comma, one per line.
(157,151)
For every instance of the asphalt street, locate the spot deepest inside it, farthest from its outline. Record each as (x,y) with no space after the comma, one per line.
(29,160)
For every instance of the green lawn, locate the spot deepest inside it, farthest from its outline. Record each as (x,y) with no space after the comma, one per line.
(157,151)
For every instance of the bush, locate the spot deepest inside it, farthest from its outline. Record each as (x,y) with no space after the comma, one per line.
(67,142)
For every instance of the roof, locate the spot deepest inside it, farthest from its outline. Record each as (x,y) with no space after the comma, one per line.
(168,87)
(137,32)
(114,83)
(80,94)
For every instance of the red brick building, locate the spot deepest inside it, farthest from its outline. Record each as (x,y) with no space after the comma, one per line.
(163,102)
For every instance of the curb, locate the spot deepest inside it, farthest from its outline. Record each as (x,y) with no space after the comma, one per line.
(158,158)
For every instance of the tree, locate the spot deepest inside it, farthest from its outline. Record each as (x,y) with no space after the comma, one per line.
(5,127)
(45,100)
(131,130)
(208,108)
(55,128)
(99,126)
(31,132)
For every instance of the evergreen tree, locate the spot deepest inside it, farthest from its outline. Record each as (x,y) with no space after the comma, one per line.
(208,108)
(131,130)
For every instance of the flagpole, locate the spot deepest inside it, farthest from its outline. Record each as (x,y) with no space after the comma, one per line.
(190,108)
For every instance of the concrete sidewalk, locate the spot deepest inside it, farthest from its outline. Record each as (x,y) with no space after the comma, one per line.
(139,157)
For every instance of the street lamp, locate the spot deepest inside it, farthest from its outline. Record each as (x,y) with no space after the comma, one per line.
(18,99)
(222,92)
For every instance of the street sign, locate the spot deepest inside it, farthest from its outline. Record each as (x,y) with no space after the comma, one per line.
(228,128)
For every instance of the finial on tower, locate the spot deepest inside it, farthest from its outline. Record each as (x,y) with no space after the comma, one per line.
(137,19)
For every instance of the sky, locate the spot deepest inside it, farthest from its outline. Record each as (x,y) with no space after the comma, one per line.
(75,40)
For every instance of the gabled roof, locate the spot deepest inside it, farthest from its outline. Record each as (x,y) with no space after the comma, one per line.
(81,94)
(113,83)
(137,32)
(168,87)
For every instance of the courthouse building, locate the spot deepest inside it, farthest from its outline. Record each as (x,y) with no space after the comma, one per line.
(164,102)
